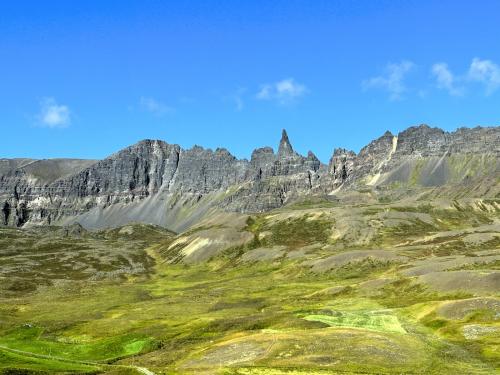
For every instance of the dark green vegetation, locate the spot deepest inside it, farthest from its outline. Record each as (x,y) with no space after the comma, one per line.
(316,288)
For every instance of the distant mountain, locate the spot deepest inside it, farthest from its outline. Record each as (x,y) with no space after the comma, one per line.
(159,183)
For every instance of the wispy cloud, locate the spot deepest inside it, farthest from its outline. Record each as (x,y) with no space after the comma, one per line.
(446,80)
(284,92)
(393,79)
(486,72)
(53,115)
(236,98)
(154,106)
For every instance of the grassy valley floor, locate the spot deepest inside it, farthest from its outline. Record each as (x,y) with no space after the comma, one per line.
(310,289)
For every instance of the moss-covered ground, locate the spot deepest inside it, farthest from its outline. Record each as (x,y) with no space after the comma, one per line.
(226,316)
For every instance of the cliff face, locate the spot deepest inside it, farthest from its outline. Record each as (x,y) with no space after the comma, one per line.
(146,169)
(419,156)
(153,180)
(25,183)
(273,179)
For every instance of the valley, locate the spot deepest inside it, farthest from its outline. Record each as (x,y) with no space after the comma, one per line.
(311,288)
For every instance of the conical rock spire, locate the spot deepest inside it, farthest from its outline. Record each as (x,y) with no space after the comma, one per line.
(285,148)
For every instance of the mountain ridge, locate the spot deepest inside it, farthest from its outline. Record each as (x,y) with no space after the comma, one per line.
(174,180)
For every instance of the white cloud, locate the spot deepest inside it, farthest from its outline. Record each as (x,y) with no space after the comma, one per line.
(237,99)
(393,80)
(284,91)
(487,72)
(265,92)
(53,115)
(155,107)
(445,79)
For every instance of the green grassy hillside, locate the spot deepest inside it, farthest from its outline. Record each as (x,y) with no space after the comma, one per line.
(403,287)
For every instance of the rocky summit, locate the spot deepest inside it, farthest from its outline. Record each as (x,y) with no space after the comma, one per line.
(160,183)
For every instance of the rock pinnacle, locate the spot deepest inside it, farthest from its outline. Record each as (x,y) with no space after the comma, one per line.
(285,148)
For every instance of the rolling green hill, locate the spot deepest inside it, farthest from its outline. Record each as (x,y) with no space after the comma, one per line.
(378,286)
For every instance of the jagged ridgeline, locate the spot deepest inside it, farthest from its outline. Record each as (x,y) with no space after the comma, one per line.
(160,183)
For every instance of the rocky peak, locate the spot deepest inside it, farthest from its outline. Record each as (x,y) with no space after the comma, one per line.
(342,153)
(341,164)
(312,162)
(285,149)
(377,149)
(421,130)
(46,191)
(224,152)
(311,155)
(144,145)
(263,155)
(475,140)
(422,140)
(262,151)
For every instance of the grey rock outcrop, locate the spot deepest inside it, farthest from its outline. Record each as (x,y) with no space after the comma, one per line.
(419,155)
(341,165)
(155,181)
(274,179)
(285,148)
(153,168)
(25,182)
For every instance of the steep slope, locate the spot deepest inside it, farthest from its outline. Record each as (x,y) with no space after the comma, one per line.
(160,183)
(30,178)
(273,179)
(420,156)
(155,182)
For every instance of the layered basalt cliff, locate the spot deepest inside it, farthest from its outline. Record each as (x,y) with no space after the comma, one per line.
(169,179)
(419,155)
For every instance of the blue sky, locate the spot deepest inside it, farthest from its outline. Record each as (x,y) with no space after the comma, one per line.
(87,78)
